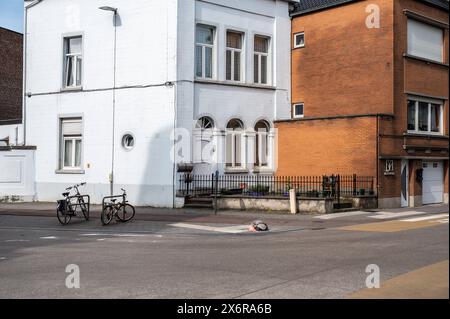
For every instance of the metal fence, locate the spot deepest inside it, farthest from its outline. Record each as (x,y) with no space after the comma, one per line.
(334,186)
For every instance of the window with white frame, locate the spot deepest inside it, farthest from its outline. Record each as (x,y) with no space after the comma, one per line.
(425,41)
(425,116)
(299,40)
(234,56)
(204,51)
(262,129)
(261,59)
(298,110)
(203,137)
(73,62)
(71,143)
(234,136)
(389,168)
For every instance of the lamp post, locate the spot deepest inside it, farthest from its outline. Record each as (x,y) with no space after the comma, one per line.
(111,176)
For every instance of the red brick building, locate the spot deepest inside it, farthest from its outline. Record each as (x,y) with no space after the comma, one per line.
(11,57)
(370,96)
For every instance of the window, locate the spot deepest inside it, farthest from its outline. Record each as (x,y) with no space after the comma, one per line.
(262,144)
(71,143)
(425,41)
(425,117)
(204,51)
(234,144)
(261,56)
(128,141)
(297,110)
(73,62)
(233,56)
(299,40)
(203,136)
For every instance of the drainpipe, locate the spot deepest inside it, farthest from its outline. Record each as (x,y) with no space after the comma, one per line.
(24,70)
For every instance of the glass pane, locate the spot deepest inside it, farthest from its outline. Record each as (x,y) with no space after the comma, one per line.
(435,117)
(299,109)
(228,150)
(237,66)
(208,62)
(198,61)
(412,115)
(300,39)
(237,149)
(79,70)
(234,40)
(68,153)
(264,149)
(204,34)
(228,65)
(69,71)
(261,44)
(74,45)
(77,153)
(263,69)
(256,68)
(423,116)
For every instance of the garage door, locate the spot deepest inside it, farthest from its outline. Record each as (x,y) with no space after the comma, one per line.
(433,182)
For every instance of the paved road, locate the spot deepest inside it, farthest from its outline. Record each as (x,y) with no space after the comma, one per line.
(198,255)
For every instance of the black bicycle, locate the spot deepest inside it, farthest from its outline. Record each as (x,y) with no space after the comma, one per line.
(68,207)
(122,210)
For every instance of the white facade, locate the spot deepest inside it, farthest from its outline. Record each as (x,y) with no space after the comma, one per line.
(156,90)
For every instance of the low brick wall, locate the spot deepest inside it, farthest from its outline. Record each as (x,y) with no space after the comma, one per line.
(365,202)
(304,205)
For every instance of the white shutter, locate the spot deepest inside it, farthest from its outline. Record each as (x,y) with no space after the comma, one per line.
(425,41)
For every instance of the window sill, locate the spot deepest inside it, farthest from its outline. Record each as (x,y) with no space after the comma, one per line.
(389,173)
(72,89)
(263,170)
(70,171)
(425,134)
(428,61)
(237,84)
(236,171)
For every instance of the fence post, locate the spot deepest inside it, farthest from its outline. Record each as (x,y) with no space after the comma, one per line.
(354,184)
(216,189)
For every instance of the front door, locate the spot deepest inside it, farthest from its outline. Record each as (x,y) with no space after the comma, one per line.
(404,183)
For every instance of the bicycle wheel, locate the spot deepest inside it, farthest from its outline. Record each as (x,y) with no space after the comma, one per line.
(63,217)
(84,209)
(126,213)
(107,214)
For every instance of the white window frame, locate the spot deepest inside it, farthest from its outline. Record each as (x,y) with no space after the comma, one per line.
(259,56)
(70,137)
(75,57)
(296,46)
(204,46)
(233,50)
(416,116)
(259,136)
(389,168)
(294,114)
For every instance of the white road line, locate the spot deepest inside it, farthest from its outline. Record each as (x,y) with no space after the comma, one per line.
(49,237)
(387,215)
(16,240)
(338,215)
(418,219)
(229,230)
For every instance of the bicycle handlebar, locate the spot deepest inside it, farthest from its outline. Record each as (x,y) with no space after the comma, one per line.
(75,186)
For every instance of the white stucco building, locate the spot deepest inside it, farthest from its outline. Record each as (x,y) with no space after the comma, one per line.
(105,92)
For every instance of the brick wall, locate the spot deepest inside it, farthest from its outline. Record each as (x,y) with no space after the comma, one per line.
(340,146)
(10,75)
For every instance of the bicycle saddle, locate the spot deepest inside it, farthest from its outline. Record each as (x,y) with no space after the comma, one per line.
(113,200)
(65,194)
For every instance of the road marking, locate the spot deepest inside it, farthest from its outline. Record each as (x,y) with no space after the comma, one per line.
(440,221)
(418,219)
(229,230)
(430,282)
(388,215)
(338,215)
(49,237)
(16,240)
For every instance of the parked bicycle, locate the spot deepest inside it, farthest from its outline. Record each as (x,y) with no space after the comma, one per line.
(69,206)
(122,210)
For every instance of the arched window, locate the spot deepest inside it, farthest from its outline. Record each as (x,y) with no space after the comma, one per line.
(233,151)
(262,129)
(203,136)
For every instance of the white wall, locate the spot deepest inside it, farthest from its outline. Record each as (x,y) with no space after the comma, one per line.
(17,175)
(14,132)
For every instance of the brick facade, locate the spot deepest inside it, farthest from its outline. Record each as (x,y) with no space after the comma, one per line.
(359,80)
(11,58)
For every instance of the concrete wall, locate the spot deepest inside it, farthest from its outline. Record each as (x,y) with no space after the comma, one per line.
(17,175)
(12,131)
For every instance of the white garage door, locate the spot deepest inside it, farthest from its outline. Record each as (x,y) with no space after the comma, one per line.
(433,182)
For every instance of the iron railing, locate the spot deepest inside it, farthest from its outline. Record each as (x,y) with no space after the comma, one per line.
(334,186)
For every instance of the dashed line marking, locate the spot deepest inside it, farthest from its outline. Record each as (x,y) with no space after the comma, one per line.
(418,219)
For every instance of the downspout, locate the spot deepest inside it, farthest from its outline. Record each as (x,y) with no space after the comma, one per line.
(24,70)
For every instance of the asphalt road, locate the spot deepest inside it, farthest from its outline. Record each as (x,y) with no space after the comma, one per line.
(301,257)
